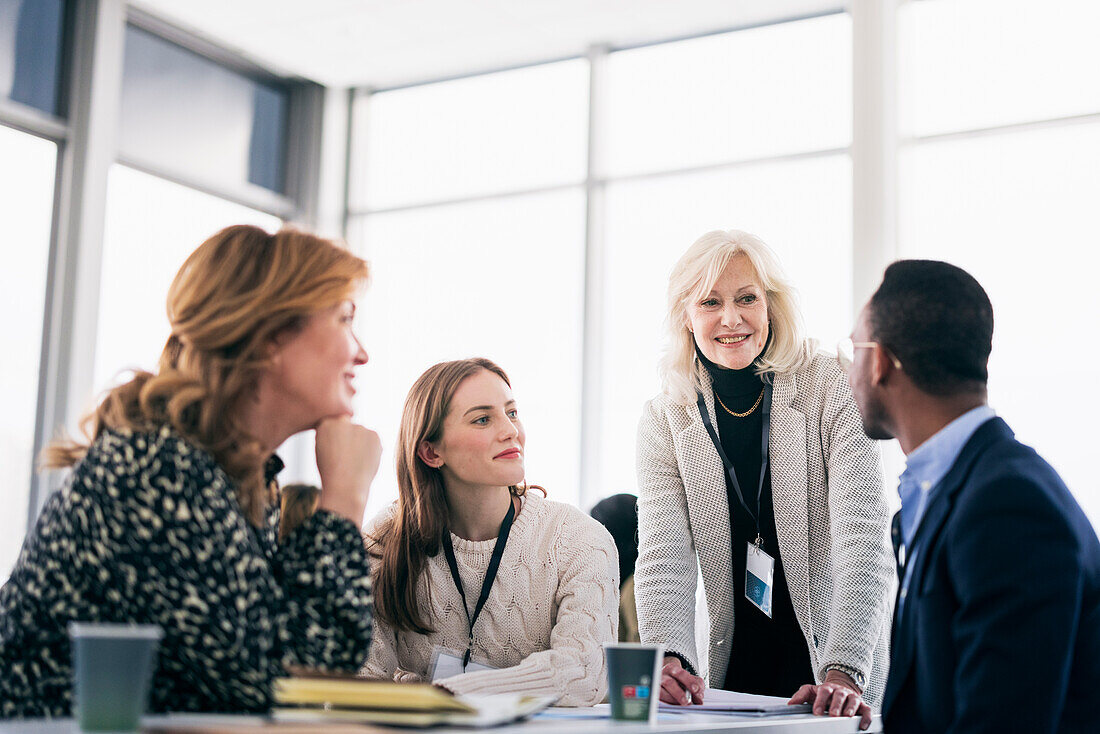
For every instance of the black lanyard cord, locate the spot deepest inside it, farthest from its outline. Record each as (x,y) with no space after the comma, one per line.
(490,574)
(766,408)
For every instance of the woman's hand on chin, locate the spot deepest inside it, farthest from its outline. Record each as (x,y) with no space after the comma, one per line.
(347,460)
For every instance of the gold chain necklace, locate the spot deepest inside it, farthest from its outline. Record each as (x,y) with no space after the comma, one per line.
(748,412)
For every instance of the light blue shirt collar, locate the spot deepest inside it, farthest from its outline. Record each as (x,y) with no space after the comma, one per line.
(926,466)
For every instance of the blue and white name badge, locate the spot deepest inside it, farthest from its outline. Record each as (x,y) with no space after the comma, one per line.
(759,573)
(446,663)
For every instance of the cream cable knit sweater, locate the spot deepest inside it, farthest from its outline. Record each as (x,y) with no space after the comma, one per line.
(553,606)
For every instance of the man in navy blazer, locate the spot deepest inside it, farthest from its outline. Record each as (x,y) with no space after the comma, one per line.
(997,622)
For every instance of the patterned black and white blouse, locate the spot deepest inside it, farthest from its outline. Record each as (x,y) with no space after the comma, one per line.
(148,530)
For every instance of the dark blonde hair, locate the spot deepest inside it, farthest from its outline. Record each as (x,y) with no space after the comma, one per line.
(234,295)
(414,533)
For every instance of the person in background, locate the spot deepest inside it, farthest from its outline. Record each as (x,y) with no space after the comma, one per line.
(753,469)
(169,514)
(997,626)
(619,514)
(480,585)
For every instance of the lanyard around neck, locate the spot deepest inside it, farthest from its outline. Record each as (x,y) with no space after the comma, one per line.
(766,409)
(490,574)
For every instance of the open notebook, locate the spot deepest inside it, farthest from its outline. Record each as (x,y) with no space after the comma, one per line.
(359,700)
(742,704)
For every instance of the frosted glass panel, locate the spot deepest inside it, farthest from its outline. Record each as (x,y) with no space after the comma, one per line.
(487,134)
(185,114)
(982,63)
(1018,212)
(152,226)
(26,207)
(802,209)
(501,279)
(765,91)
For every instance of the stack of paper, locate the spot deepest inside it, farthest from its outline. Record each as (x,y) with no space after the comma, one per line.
(739,704)
(405,704)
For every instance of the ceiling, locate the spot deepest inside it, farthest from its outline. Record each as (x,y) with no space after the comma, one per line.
(385,43)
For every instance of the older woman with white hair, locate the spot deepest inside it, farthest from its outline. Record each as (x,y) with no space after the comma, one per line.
(754,469)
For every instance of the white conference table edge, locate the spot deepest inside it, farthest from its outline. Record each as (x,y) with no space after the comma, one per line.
(687,723)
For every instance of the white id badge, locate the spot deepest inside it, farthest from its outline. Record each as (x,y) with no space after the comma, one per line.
(759,572)
(446,663)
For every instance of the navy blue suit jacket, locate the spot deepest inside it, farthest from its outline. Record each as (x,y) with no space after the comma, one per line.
(1000,630)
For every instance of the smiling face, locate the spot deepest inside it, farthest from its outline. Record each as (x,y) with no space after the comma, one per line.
(482,440)
(313,368)
(730,323)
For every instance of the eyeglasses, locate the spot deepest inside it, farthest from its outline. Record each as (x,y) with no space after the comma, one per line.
(846,352)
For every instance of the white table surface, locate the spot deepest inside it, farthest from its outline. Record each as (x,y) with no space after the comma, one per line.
(554,720)
(701,723)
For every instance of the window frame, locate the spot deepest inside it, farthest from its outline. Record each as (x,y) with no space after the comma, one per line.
(86,134)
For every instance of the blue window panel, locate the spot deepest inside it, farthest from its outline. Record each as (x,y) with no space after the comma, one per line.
(188,116)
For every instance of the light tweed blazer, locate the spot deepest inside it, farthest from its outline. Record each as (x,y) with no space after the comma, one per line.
(831,518)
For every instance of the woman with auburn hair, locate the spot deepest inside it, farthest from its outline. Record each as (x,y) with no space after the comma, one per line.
(753,468)
(481,586)
(169,514)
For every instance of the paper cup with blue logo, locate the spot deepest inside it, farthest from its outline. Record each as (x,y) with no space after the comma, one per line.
(634,680)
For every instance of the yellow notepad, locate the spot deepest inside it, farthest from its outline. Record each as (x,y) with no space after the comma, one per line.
(334,698)
(367,694)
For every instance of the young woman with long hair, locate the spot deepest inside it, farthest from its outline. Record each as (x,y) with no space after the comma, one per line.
(169,514)
(481,586)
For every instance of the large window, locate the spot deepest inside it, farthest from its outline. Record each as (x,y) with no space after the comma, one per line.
(972,64)
(468,205)
(652,221)
(502,279)
(484,270)
(498,224)
(1001,176)
(182,117)
(26,205)
(774,90)
(733,106)
(152,226)
(220,126)
(31,61)
(491,134)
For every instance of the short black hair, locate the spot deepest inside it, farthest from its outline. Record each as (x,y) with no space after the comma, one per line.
(619,514)
(938,321)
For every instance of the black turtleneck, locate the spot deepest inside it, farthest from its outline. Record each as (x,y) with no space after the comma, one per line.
(768,656)
(738,391)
